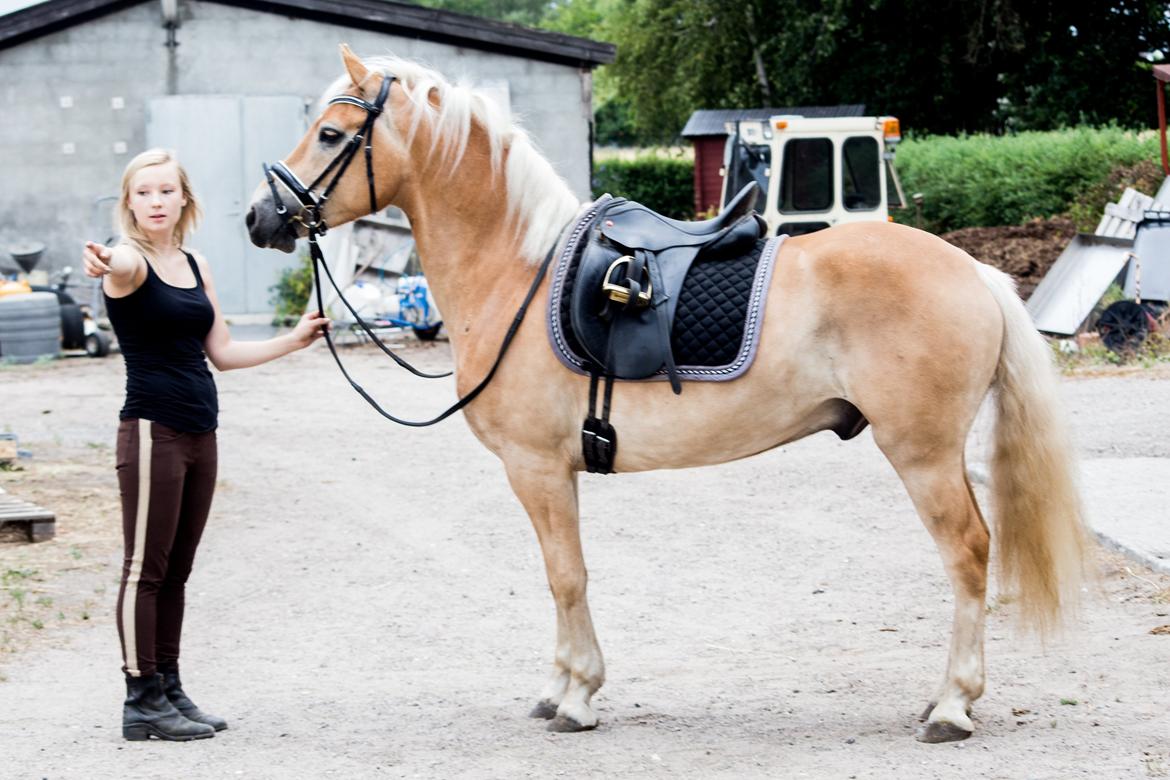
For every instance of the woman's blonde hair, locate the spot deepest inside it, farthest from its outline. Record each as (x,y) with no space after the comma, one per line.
(131,231)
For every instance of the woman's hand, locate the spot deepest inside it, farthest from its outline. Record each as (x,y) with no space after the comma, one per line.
(310,328)
(96,259)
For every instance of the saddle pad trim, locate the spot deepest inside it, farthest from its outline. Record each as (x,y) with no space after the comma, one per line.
(755,312)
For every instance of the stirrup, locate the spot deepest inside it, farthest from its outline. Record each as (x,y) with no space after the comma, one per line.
(621,294)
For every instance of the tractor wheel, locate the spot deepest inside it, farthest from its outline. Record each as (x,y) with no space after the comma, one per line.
(72,326)
(1123,326)
(97,344)
(428,332)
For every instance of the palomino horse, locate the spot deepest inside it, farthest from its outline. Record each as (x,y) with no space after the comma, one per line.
(872,322)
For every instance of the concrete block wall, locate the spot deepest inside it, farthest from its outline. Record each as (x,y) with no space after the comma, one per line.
(64,139)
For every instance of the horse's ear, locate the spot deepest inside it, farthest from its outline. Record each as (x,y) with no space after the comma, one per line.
(353,64)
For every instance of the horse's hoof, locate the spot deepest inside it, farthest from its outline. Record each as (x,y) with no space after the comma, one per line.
(925,716)
(567,725)
(941,731)
(544,709)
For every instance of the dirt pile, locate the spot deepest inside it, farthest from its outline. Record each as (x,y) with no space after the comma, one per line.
(1025,251)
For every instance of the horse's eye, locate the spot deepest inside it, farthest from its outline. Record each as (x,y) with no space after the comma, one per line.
(329,136)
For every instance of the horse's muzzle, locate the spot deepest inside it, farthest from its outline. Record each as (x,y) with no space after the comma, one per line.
(267,228)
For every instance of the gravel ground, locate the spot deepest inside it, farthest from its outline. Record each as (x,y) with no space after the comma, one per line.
(369,601)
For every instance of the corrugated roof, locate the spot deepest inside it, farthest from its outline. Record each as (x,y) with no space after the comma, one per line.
(381,15)
(712,121)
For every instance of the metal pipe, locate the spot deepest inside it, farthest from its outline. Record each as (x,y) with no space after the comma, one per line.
(1158,85)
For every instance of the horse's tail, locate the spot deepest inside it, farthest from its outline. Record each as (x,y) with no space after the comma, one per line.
(1039,527)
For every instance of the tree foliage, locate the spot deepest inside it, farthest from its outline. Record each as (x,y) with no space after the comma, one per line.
(942,66)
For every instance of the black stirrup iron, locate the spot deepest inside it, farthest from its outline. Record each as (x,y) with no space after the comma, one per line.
(310,217)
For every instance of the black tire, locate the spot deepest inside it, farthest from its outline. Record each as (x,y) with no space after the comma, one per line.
(30,326)
(72,326)
(19,306)
(34,323)
(427,333)
(1123,326)
(97,344)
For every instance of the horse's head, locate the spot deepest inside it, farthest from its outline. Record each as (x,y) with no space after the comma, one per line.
(438,149)
(329,178)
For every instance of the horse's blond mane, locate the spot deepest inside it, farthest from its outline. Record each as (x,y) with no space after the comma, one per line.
(538,197)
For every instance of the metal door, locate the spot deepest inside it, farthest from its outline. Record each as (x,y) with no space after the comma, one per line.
(221,141)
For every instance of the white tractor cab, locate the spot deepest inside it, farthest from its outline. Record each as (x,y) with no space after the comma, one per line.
(831,170)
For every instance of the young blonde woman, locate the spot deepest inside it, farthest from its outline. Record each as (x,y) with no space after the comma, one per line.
(161,301)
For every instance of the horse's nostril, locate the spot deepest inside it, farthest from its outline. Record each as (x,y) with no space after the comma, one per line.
(250,219)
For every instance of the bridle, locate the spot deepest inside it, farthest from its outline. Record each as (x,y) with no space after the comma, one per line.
(310,217)
(311,207)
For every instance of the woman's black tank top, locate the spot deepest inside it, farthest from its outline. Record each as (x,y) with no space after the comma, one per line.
(161,330)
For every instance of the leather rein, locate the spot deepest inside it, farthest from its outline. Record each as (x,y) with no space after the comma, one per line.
(310,217)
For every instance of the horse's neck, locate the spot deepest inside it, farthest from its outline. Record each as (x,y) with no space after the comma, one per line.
(476,275)
(470,246)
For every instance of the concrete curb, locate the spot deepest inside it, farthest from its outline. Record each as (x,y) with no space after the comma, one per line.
(1151,561)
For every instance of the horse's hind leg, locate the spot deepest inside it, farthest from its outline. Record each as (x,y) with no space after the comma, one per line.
(937,484)
(549,494)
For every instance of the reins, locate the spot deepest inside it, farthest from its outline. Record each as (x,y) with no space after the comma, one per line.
(310,217)
(319,261)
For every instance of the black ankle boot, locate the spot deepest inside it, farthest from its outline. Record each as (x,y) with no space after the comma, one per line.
(173,688)
(147,713)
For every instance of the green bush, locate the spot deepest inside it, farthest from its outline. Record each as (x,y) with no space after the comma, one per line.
(290,294)
(984,180)
(664,184)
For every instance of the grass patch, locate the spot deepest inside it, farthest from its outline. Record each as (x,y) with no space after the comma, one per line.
(1091,353)
(9,576)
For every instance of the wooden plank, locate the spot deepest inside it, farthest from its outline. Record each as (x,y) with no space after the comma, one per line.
(39,523)
(1130,214)
(25,515)
(42,531)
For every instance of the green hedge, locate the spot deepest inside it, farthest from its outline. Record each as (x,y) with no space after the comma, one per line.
(664,184)
(984,180)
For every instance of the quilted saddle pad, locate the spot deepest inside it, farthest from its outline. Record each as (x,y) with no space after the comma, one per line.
(717,322)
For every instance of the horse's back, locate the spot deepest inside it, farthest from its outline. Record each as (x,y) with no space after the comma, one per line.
(893,255)
(887,270)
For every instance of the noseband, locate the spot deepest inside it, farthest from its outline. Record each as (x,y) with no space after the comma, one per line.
(310,217)
(311,207)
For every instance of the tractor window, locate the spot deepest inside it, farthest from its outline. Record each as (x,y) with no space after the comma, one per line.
(861,170)
(806,183)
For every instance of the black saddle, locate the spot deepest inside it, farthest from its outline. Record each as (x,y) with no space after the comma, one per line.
(629,277)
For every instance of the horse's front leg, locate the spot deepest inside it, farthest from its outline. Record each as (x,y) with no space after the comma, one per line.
(549,494)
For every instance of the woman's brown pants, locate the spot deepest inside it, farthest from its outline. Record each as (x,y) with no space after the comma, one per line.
(167,479)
